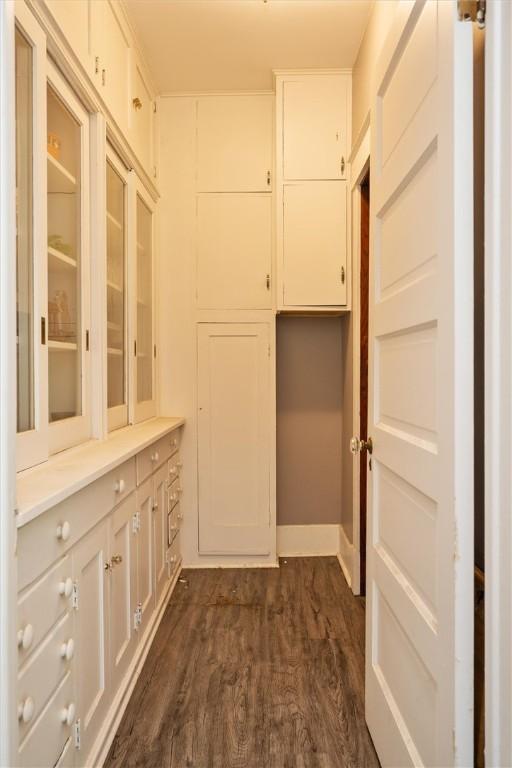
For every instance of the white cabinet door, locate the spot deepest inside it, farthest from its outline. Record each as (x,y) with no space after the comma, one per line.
(420,557)
(114,61)
(141,116)
(74,20)
(145,586)
(234,251)
(314,270)
(234,438)
(234,143)
(89,558)
(123,588)
(315,127)
(160,503)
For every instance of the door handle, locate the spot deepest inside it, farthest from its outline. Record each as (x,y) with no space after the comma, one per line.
(358,446)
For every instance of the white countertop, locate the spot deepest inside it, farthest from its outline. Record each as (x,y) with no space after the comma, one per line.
(42,487)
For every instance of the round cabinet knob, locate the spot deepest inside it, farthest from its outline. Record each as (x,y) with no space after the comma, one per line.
(25,637)
(67,715)
(26,710)
(66,587)
(67,650)
(174,443)
(119,486)
(155,456)
(63,531)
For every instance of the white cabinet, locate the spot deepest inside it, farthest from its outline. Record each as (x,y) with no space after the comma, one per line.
(234,143)
(234,251)
(316,116)
(160,508)
(315,243)
(312,146)
(145,553)
(89,558)
(234,370)
(111,52)
(141,114)
(74,18)
(122,577)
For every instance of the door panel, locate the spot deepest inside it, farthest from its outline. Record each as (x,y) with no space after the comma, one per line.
(74,19)
(420,554)
(315,243)
(315,128)
(145,585)
(234,438)
(88,565)
(160,504)
(234,143)
(123,588)
(234,251)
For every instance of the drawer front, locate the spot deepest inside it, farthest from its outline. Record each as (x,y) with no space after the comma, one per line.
(174,556)
(43,744)
(174,519)
(49,536)
(41,605)
(174,494)
(174,467)
(45,669)
(155,455)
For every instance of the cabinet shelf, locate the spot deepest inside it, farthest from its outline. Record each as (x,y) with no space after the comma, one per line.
(114,222)
(62,346)
(58,260)
(60,180)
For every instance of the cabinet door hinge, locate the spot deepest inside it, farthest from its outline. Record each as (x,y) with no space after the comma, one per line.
(75,596)
(154,106)
(269,350)
(136,522)
(472,10)
(77,733)
(137,616)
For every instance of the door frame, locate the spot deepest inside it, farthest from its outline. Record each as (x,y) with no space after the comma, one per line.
(350,554)
(498,375)
(8,567)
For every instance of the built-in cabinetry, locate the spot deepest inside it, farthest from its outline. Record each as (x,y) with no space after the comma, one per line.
(93,572)
(313,140)
(69,323)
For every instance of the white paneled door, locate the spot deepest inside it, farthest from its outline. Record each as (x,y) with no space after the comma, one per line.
(419,655)
(234,438)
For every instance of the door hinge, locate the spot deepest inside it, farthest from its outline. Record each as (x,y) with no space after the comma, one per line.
(269,350)
(43,330)
(77,733)
(154,106)
(269,178)
(342,165)
(135,348)
(137,616)
(472,10)
(75,596)
(136,522)
(87,340)
(342,275)
(154,351)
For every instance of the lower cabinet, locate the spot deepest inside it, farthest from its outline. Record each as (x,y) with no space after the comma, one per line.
(82,622)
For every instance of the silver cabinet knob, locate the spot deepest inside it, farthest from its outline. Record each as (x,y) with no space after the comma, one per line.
(67,715)
(66,587)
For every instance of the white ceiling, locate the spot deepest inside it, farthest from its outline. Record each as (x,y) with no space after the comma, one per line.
(224,45)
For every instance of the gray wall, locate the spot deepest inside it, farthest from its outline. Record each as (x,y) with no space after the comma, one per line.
(348,430)
(309,420)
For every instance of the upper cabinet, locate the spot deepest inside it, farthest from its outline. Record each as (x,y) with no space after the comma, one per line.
(74,18)
(312,146)
(142,106)
(315,115)
(111,60)
(234,143)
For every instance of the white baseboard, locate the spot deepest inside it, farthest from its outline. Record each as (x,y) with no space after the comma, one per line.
(103,742)
(308,540)
(227,565)
(346,557)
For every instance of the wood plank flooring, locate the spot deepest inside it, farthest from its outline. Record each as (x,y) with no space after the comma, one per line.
(253,668)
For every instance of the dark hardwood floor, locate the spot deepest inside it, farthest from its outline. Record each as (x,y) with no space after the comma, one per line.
(253,668)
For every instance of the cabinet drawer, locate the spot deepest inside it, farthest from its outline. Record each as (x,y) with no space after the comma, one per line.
(41,605)
(174,495)
(45,669)
(174,519)
(174,556)
(155,455)
(43,744)
(174,467)
(50,535)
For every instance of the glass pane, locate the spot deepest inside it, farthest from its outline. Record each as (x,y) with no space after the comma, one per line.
(115,289)
(24,246)
(64,222)
(144,303)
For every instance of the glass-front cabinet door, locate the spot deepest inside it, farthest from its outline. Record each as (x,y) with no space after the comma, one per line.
(31,407)
(144,347)
(68,342)
(116,229)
